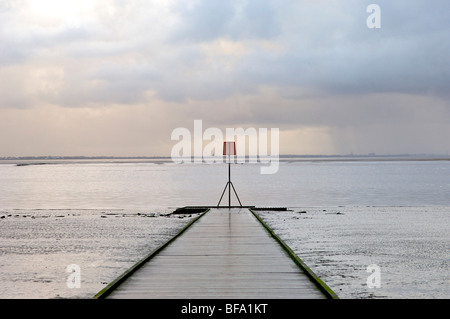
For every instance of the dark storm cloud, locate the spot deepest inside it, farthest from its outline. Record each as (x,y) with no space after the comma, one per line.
(337,53)
(326,46)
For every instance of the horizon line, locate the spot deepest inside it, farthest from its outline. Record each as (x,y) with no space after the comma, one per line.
(56,157)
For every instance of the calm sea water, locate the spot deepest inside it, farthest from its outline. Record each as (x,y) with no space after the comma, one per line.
(149,185)
(395,214)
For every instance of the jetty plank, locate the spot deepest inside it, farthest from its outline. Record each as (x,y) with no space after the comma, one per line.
(227,253)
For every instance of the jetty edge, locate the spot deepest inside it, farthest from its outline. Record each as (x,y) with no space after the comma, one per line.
(116,282)
(326,290)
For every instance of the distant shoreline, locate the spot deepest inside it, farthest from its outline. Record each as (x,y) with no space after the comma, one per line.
(45,160)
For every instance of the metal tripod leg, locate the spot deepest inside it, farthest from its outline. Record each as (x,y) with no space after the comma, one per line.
(236,194)
(223,193)
(228,185)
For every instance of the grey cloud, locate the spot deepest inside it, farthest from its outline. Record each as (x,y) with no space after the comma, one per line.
(11,53)
(289,64)
(126,83)
(350,58)
(203,20)
(325,48)
(209,20)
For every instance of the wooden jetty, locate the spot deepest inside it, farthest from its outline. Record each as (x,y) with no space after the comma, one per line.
(225,253)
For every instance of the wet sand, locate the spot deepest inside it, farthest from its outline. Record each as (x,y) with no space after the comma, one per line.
(409,244)
(38,245)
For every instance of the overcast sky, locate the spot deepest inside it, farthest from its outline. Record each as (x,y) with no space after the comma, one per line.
(84,77)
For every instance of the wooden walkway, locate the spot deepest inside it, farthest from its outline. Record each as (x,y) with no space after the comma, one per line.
(228,254)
